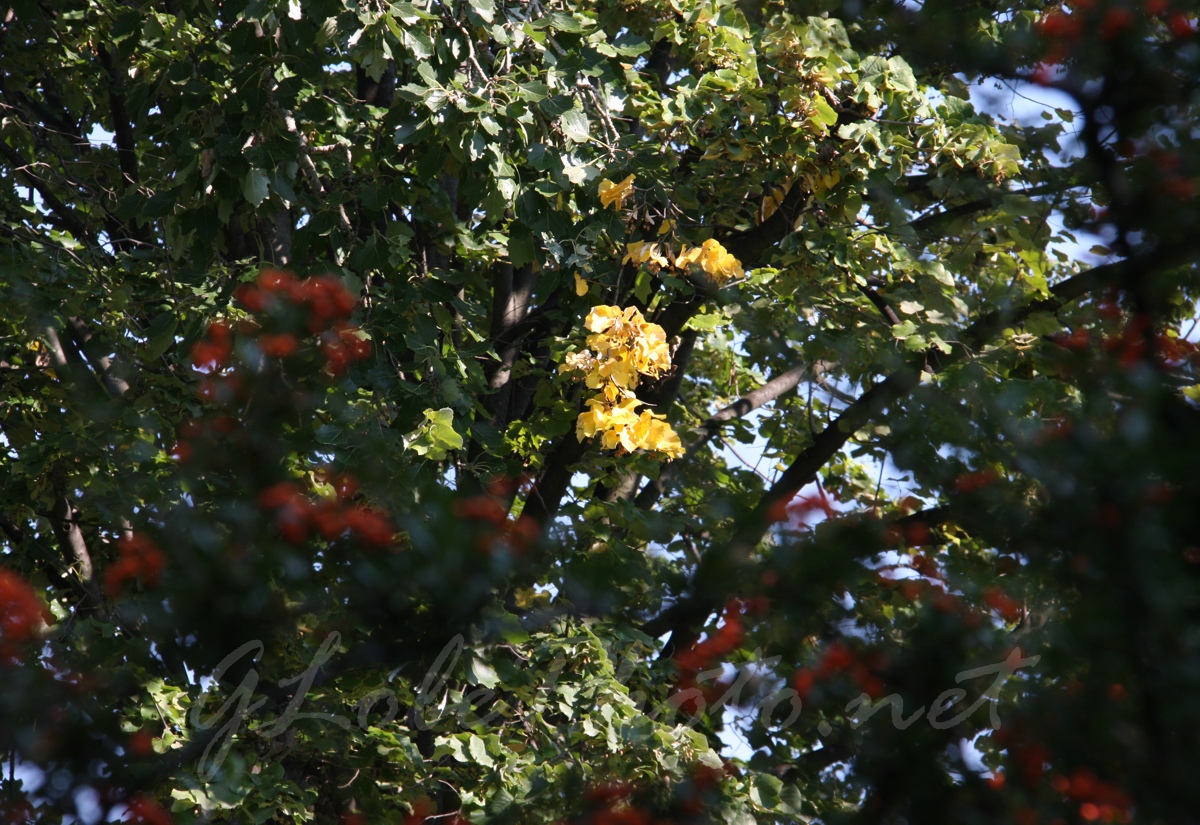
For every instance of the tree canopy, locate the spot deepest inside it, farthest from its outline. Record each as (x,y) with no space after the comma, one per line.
(599,412)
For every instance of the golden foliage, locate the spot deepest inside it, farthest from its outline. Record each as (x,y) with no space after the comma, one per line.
(614,194)
(623,346)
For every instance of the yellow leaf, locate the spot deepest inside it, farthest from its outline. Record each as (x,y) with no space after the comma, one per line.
(640,252)
(687,255)
(772,200)
(524,597)
(602,317)
(714,259)
(581,286)
(615,193)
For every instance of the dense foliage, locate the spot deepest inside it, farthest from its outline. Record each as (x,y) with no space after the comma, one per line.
(622,411)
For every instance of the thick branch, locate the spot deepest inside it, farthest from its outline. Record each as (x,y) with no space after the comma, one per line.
(547,495)
(773,389)
(511,293)
(883,306)
(80,335)
(931,220)
(64,519)
(122,130)
(750,246)
(61,215)
(718,567)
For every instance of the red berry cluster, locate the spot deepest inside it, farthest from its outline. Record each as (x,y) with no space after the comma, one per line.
(326,305)
(140,743)
(975,480)
(140,559)
(836,660)
(17,811)
(22,613)
(914,533)
(297,516)
(1065,27)
(490,512)
(143,810)
(213,351)
(1003,604)
(799,507)
(611,803)
(719,643)
(199,429)
(287,306)
(1099,801)
(325,298)
(624,803)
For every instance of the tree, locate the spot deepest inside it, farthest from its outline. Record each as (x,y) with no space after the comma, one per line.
(376,380)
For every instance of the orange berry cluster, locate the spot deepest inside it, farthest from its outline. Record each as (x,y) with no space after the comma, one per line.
(1003,604)
(1099,801)
(838,659)
(1063,28)
(144,810)
(320,306)
(140,559)
(800,507)
(706,654)
(489,511)
(297,516)
(22,613)
(324,296)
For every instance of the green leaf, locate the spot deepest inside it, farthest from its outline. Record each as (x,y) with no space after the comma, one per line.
(765,791)
(825,112)
(641,286)
(255,186)
(561,21)
(437,436)
(575,126)
(791,801)
(521,247)
(705,322)
(161,332)
(486,9)
(479,753)
(900,75)
(480,672)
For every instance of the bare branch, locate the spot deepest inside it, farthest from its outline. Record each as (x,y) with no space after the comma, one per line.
(771,390)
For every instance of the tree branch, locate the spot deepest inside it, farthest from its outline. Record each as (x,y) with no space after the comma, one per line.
(750,246)
(719,566)
(61,215)
(771,390)
(64,520)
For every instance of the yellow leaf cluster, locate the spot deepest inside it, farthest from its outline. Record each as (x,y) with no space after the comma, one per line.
(621,426)
(641,252)
(623,346)
(716,261)
(615,193)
